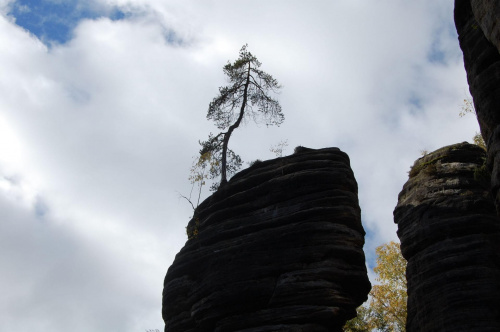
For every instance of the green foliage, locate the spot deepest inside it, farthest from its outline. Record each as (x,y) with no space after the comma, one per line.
(428,167)
(213,147)
(193,230)
(479,141)
(246,97)
(385,309)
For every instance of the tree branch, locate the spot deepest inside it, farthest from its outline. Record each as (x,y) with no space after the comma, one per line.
(187,199)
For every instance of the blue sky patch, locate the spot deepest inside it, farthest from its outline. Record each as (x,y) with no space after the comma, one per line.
(440,53)
(415,102)
(41,208)
(437,55)
(53,21)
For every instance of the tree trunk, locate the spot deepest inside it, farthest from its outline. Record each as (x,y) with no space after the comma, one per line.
(227,135)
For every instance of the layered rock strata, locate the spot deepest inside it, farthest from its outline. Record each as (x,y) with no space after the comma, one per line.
(482,64)
(450,236)
(278,248)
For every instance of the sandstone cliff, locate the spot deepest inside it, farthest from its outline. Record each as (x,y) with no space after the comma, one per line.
(482,63)
(279,248)
(450,236)
(487,14)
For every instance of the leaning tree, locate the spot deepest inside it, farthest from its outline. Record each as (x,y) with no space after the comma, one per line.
(246,97)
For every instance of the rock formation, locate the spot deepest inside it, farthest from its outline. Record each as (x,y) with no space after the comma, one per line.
(487,15)
(482,63)
(450,236)
(278,248)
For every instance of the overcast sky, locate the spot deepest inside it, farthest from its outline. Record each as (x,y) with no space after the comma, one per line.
(102,104)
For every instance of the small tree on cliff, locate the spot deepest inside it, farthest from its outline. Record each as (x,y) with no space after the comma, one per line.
(246,97)
(468,107)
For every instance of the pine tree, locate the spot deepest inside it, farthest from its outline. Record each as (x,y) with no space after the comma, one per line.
(246,97)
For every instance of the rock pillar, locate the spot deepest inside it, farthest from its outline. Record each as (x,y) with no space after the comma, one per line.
(279,248)
(482,64)
(450,236)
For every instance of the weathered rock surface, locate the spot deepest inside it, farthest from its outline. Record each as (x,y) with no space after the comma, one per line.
(487,14)
(482,63)
(279,248)
(450,236)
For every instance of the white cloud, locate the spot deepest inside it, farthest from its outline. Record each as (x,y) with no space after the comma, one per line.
(98,134)
(52,279)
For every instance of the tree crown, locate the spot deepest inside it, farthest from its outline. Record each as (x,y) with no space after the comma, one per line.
(246,97)
(247,94)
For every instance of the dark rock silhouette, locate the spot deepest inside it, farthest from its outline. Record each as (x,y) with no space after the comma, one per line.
(487,15)
(278,248)
(450,236)
(482,63)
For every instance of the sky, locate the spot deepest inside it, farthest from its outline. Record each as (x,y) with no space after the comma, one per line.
(103,102)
